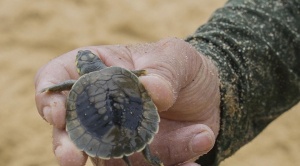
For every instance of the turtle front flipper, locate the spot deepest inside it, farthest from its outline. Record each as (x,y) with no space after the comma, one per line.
(139,72)
(66,85)
(153,160)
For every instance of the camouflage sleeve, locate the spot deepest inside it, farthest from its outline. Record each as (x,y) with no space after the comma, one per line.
(256,46)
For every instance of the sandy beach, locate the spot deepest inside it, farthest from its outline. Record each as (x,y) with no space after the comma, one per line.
(34,32)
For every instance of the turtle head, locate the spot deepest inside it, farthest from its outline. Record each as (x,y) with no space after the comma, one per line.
(87,62)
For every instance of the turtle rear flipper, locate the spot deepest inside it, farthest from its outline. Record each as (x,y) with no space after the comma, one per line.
(153,160)
(127,161)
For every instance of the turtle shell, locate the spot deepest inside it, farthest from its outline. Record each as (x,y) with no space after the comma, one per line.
(110,114)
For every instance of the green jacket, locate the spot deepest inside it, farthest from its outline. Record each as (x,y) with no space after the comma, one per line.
(256,46)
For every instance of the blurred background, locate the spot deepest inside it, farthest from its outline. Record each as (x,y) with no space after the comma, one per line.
(34,32)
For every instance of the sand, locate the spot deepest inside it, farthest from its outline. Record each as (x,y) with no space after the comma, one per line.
(34,32)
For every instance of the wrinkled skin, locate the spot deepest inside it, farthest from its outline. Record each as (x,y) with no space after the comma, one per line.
(183,84)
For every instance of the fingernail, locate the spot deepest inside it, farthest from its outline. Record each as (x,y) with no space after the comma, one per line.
(202,142)
(47,114)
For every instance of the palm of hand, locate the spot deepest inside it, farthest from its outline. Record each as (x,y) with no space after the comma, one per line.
(183,85)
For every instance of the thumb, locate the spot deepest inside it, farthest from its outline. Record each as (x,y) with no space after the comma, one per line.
(186,144)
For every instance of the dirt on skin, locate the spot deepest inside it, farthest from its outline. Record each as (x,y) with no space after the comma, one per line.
(34,32)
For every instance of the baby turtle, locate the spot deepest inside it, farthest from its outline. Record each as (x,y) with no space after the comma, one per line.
(109,112)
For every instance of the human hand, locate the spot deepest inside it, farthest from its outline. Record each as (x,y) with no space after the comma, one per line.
(183,84)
